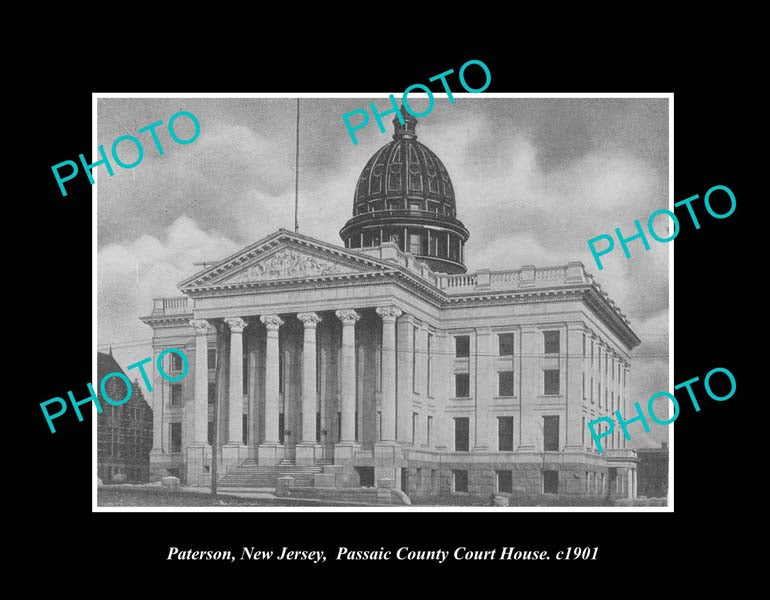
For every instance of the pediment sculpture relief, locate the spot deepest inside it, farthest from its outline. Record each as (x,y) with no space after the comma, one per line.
(288,264)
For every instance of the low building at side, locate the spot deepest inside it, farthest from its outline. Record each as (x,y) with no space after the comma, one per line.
(385,358)
(653,471)
(124,433)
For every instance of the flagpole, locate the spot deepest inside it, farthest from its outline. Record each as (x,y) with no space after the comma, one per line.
(296,177)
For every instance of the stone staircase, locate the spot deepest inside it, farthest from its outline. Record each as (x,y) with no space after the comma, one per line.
(251,475)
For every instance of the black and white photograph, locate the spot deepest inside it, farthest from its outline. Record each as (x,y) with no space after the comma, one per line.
(387,315)
(313,314)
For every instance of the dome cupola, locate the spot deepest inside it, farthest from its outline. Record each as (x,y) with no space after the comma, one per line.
(404,195)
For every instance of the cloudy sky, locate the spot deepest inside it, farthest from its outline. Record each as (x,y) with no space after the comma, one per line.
(534,179)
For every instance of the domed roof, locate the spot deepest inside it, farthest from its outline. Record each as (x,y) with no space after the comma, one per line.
(405,169)
(404,196)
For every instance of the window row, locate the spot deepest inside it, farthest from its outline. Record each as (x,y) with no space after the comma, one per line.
(504,481)
(550,429)
(551,344)
(551,384)
(437,208)
(415,241)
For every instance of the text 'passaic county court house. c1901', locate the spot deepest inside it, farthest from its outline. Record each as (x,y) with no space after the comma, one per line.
(385,359)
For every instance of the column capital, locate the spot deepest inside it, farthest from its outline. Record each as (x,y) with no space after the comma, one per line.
(272,322)
(347,316)
(309,319)
(388,313)
(236,324)
(201,326)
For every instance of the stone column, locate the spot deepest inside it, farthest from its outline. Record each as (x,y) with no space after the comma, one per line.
(157,407)
(308,450)
(347,445)
(197,454)
(201,382)
(630,483)
(405,383)
(271,452)
(572,388)
(387,453)
(253,432)
(231,452)
(389,314)
(636,480)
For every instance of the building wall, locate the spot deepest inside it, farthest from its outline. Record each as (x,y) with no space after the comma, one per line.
(426,388)
(124,433)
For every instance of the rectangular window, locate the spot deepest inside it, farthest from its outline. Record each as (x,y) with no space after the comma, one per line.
(460,481)
(505,434)
(584,345)
(175,437)
(461,434)
(414,426)
(551,342)
(339,426)
(212,358)
(505,383)
(613,369)
(176,394)
(210,434)
(462,346)
(318,427)
(428,428)
(505,344)
(504,482)
(462,385)
(245,428)
(415,243)
(551,433)
(281,424)
(176,362)
(212,392)
(551,382)
(550,482)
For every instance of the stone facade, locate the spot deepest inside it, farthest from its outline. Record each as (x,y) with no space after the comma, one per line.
(387,360)
(383,363)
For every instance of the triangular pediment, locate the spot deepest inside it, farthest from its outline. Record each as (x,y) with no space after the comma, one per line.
(285,256)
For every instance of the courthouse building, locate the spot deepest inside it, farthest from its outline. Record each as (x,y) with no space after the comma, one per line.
(385,357)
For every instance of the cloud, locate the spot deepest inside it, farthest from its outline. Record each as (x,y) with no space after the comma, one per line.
(130,275)
(534,180)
